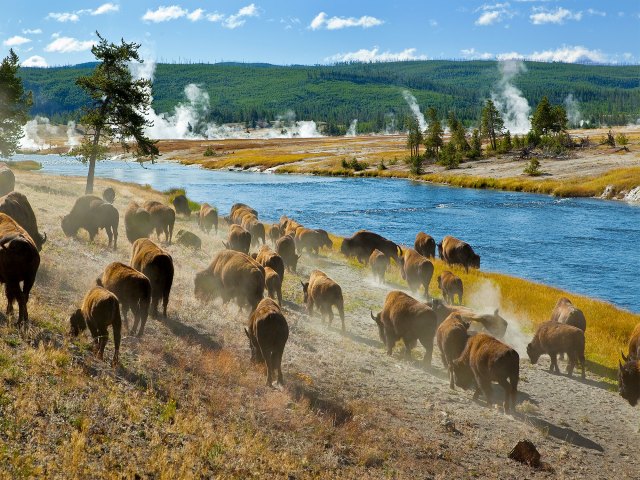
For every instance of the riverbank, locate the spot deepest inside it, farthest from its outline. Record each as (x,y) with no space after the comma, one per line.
(186,401)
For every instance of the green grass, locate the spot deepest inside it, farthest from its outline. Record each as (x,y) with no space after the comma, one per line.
(172,193)
(25,165)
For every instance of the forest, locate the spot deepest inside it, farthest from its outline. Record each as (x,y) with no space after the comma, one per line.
(370,92)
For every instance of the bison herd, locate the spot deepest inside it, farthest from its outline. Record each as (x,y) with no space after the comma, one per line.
(470,344)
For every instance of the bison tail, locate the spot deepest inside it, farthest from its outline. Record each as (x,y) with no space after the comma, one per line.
(99,282)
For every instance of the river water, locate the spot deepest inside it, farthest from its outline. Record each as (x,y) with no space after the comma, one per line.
(585,246)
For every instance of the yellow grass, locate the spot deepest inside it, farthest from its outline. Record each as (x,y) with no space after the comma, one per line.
(247,158)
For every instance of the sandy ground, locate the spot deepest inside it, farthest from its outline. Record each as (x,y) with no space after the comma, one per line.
(582,429)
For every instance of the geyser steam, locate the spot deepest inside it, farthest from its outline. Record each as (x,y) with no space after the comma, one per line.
(509,100)
(353,128)
(415,109)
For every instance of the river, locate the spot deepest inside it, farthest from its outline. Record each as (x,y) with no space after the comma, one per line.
(586,246)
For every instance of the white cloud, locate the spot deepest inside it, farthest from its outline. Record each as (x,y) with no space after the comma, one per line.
(495,13)
(374,55)
(35,61)
(15,41)
(69,44)
(337,23)
(34,31)
(472,54)
(105,8)
(570,54)
(239,19)
(592,11)
(215,17)
(64,17)
(164,14)
(541,16)
(196,15)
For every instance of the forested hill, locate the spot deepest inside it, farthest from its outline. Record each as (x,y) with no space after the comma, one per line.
(369,92)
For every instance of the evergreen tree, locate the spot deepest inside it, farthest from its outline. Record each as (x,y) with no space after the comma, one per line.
(414,138)
(14,105)
(491,123)
(433,136)
(476,144)
(505,143)
(117,109)
(458,134)
(560,120)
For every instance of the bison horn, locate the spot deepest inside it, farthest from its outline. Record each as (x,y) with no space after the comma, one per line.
(626,359)
(372,317)
(247,332)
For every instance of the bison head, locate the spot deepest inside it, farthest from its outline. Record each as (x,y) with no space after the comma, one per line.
(203,286)
(534,352)
(256,353)
(462,374)
(439,245)
(305,291)
(629,381)
(345,248)
(381,332)
(475,261)
(69,226)
(77,323)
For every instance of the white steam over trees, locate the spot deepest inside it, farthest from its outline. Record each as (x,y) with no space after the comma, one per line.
(14,105)
(118,106)
(509,100)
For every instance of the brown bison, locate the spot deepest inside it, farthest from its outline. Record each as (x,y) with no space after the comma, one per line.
(450,285)
(231,275)
(323,292)
(268,258)
(19,262)
(92,213)
(157,265)
(137,222)
(109,195)
(493,324)
(251,224)
(451,337)
(207,218)
(17,206)
(363,242)
(552,338)
(273,284)
(188,239)
(425,245)
(163,218)
(268,333)
(100,309)
(181,204)
(312,240)
(7,179)
(238,209)
(404,317)
(484,360)
(457,252)
(239,239)
(379,263)
(286,248)
(273,232)
(133,290)
(565,312)
(416,270)
(629,381)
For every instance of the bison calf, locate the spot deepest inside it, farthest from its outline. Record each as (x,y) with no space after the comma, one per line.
(286,248)
(323,292)
(451,338)
(379,263)
(188,239)
(137,222)
(273,284)
(485,360)
(416,270)
(629,381)
(566,312)
(268,333)
(239,239)
(92,214)
(163,218)
(404,317)
(157,265)
(456,252)
(552,338)
(207,218)
(100,309)
(450,285)
(425,245)
(133,290)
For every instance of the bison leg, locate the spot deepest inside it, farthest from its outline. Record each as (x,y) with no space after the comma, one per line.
(571,363)
(155,300)
(554,363)
(10,292)
(268,360)
(581,359)
(279,293)
(507,394)
(310,307)
(277,363)
(125,311)
(165,302)
(451,378)
(427,343)
(329,312)
(340,306)
(391,341)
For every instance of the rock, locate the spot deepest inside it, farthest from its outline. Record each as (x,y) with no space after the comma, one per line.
(525,452)
(609,192)
(633,196)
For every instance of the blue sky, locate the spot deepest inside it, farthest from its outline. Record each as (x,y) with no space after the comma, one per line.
(310,32)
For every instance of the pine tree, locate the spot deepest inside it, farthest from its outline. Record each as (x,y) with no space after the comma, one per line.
(433,136)
(14,105)
(118,107)
(491,123)
(476,144)
(414,138)
(458,134)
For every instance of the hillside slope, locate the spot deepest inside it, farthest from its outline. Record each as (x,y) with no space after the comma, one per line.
(187,403)
(367,92)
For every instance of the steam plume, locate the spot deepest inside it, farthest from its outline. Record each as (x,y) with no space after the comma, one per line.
(509,100)
(573,110)
(415,108)
(353,128)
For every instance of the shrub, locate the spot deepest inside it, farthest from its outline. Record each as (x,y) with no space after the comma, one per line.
(621,139)
(533,168)
(449,157)
(381,165)
(209,152)
(353,164)
(415,165)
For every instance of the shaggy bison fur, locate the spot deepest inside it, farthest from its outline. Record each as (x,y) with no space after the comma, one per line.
(157,265)
(457,252)
(451,337)
(323,292)
(552,338)
(17,206)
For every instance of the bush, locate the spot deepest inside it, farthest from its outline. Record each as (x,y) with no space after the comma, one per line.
(353,164)
(209,152)
(381,165)
(553,144)
(621,139)
(449,157)
(533,168)
(415,165)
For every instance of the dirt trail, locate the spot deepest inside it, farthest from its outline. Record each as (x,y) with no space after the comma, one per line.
(582,429)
